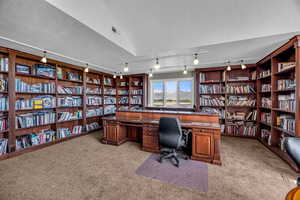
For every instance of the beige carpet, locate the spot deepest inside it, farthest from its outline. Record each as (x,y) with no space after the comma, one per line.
(84,169)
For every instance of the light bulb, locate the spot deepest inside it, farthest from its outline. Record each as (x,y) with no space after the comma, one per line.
(121,76)
(185,70)
(150,73)
(243,65)
(44,59)
(87,68)
(228,68)
(157,66)
(115,76)
(126,69)
(196,61)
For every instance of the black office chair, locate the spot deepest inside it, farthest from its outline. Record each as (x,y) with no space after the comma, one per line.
(292,146)
(171,139)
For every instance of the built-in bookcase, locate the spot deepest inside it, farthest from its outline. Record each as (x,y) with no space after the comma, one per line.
(232,95)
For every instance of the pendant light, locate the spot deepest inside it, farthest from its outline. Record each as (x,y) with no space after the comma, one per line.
(126,69)
(87,68)
(115,76)
(121,75)
(196,61)
(157,65)
(150,73)
(228,66)
(44,58)
(243,66)
(185,70)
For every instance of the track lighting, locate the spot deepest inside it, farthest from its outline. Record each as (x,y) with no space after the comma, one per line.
(228,67)
(185,70)
(87,68)
(196,61)
(44,58)
(115,76)
(243,65)
(126,69)
(150,73)
(157,66)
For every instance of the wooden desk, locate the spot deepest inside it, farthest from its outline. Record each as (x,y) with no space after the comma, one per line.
(143,126)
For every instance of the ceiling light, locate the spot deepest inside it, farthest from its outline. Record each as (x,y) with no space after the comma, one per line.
(121,76)
(196,61)
(157,66)
(115,76)
(228,67)
(150,73)
(185,70)
(44,59)
(126,69)
(87,68)
(243,65)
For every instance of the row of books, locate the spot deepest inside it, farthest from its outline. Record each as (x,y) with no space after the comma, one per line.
(93,90)
(241,101)
(37,102)
(3,146)
(287,102)
(66,116)
(241,129)
(35,88)
(220,112)
(212,101)
(123,100)
(94,112)
(69,89)
(69,101)
(266,117)
(211,89)
(239,89)
(265,135)
(109,91)
(43,70)
(284,84)
(136,92)
(111,109)
(3,123)
(3,83)
(123,108)
(266,102)
(107,81)
(122,92)
(265,73)
(65,132)
(93,100)
(92,126)
(3,103)
(35,119)
(286,122)
(285,65)
(109,100)
(4,64)
(243,78)
(266,87)
(73,76)
(93,80)
(240,115)
(136,100)
(123,84)
(137,83)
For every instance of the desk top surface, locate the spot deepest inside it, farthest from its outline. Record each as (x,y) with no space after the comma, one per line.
(187,124)
(168,112)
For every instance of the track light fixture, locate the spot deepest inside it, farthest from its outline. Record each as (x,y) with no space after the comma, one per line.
(115,75)
(44,58)
(185,70)
(121,75)
(196,61)
(126,68)
(243,66)
(87,68)
(157,65)
(228,66)
(150,73)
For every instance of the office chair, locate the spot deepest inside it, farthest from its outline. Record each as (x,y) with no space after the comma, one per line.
(170,139)
(292,147)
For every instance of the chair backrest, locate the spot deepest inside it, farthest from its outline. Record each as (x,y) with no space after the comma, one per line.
(292,146)
(170,133)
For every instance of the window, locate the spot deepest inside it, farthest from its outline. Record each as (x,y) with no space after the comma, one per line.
(175,93)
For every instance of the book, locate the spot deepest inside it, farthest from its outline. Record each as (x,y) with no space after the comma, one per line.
(3,83)
(266,136)
(266,118)
(66,116)
(123,100)
(135,100)
(285,65)
(109,100)
(220,112)
(63,132)
(286,122)
(4,64)
(3,146)
(94,112)
(93,80)
(109,91)
(3,103)
(72,76)
(107,81)
(285,84)
(266,87)
(37,102)
(287,102)
(35,119)
(266,102)
(44,70)
(211,89)
(94,100)
(123,92)
(69,89)
(239,89)
(22,86)
(20,68)
(93,90)
(69,101)
(111,109)
(92,126)
(241,101)
(212,101)
(136,92)
(265,73)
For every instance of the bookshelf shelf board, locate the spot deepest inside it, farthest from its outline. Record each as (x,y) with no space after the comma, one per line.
(265,92)
(241,106)
(265,77)
(67,80)
(3,92)
(123,104)
(109,104)
(134,104)
(108,114)
(265,108)
(71,120)
(110,95)
(283,91)
(90,105)
(135,95)
(244,136)
(63,94)
(264,123)
(123,95)
(213,106)
(281,154)
(93,84)
(212,82)
(3,72)
(66,107)
(5,131)
(241,81)
(234,120)
(35,93)
(34,76)
(39,126)
(109,86)
(136,86)
(32,109)
(290,133)
(94,94)
(212,94)
(94,116)
(285,111)
(237,94)
(285,71)
(123,87)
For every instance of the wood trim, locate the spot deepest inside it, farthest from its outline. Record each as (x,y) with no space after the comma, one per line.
(12,101)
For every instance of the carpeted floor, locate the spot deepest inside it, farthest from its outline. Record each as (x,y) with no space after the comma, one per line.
(84,169)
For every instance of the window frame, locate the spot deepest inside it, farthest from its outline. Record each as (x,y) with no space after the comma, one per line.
(177,92)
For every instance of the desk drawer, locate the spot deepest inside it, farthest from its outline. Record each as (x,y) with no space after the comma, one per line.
(150,130)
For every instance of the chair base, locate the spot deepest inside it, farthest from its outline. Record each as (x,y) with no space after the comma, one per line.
(171,154)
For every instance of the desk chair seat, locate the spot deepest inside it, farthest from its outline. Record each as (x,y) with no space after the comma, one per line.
(171,140)
(292,146)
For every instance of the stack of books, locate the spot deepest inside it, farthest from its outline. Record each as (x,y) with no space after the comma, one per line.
(212,101)
(239,89)
(35,119)
(3,146)
(35,88)
(241,101)
(69,89)
(38,102)
(70,101)
(43,70)
(136,100)
(211,89)
(285,65)
(287,102)
(220,112)
(109,100)
(94,112)
(111,109)
(93,100)
(266,102)
(285,84)
(66,116)
(4,64)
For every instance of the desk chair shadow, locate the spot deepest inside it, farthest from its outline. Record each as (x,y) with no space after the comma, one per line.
(172,139)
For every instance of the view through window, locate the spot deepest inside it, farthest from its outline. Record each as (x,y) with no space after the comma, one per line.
(176,93)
